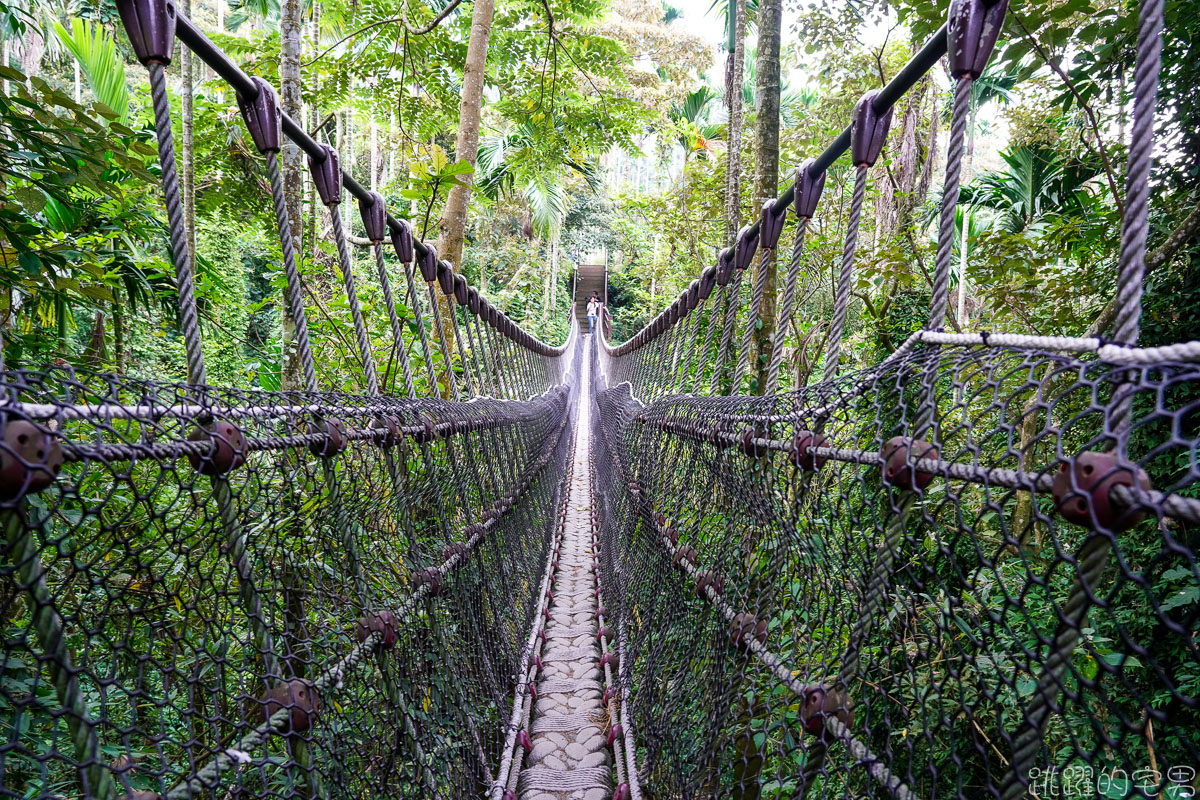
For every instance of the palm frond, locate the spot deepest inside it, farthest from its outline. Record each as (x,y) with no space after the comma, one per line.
(97,55)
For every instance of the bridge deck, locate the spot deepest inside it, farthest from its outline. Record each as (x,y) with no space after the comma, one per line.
(570,757)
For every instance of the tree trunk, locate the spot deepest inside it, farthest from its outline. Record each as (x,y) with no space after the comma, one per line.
(770,23)
(292,166)
(554,273)
(453,223)
(733,104)
(118,315)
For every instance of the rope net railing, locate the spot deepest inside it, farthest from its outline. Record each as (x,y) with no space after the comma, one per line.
(222,593)
(967,571)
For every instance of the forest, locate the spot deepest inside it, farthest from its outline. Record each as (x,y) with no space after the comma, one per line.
(368,467)
(603,131)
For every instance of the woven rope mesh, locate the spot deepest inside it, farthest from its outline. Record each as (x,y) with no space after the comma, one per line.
(942,669)
(130,558)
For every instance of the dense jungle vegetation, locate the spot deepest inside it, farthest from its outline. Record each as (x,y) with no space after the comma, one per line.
(634,131)
(602,128)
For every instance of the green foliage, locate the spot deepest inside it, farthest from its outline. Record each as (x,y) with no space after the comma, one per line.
(97,55)
(75,228)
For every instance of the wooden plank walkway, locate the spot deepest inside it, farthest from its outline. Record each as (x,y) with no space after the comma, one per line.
(570,756)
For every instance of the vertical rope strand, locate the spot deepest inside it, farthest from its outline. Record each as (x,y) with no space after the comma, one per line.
(440,326)
(1094,555)
(294,290)
(360,328)
(841,300)
(756,298)
(188,321)
(785,308)
(397,331)
(732,296)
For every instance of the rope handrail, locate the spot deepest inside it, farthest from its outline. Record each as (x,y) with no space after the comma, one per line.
(208,52)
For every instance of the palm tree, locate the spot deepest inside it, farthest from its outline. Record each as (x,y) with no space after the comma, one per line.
(694,135)
(96,53)
(1036,183)
(512,159)
(994,85)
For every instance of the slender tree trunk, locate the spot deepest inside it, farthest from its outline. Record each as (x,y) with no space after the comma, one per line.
(734,71)
(292,166)
(554,272)
(118,315)
(374,155)
(452,225)
(770,23)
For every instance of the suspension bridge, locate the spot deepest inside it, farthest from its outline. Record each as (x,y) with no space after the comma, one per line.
(595,570)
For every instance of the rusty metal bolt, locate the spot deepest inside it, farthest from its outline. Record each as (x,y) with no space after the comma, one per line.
(749,446)
(381,622)
(391,427)
(706,579)
(822,703)
(899,454)
(613,733)
(429,576)
(30,459)
(746,624)
(427,432)
(300,696)
(1082,491)
(334,440)
(802,443)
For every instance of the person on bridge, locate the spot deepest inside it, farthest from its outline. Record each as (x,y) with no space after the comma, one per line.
(593,311)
